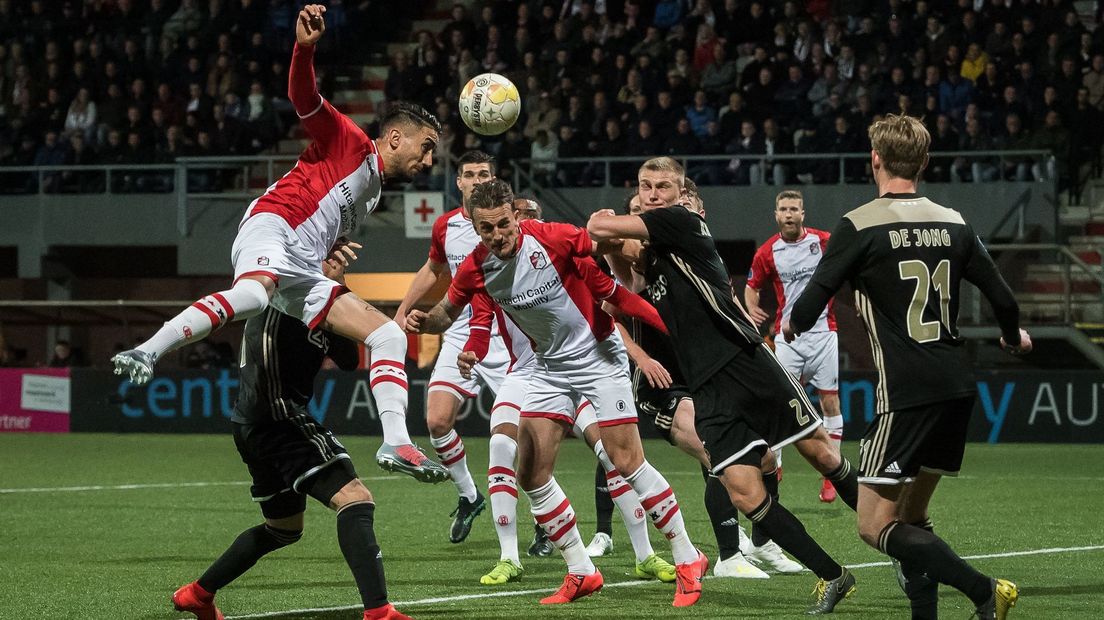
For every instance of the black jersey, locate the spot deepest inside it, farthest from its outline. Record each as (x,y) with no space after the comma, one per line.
(688,284)
(280,358)
(905,257)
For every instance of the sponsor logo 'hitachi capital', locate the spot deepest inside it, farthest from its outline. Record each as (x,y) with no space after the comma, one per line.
(349,215)
(527,296)
(801,273)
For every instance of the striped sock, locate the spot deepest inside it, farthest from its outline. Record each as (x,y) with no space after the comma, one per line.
(556,516)
(388,381)
(834,426)
(247,298)
(659,501)
(628,504)
(502,490)
(450,449)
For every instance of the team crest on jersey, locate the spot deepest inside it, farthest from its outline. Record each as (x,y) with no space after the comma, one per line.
(621,406)
(814,248)
(538,259)
(262,261)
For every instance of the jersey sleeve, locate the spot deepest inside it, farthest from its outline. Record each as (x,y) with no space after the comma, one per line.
(330,129)
(437,240)
(573,241)
(982,272)
(670,227)
(597,282)
(483,315)
(840,261)
(466,283)
(762,267)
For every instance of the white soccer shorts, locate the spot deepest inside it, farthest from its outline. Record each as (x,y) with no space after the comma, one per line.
(489,373)
(813,358)
(602,378)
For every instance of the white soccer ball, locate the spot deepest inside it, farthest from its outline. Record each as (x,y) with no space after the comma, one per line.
(489,104)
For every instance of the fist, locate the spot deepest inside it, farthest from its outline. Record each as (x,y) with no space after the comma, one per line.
(310,25)
(414,321)
(465,362)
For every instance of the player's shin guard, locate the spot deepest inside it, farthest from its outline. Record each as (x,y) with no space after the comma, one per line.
(723,516)
(603,505)
(928,553)
(659,502)
(770,481)
(250,546)
(356,536)
(846,480)
(450,450)
(387,379)
(247,298)
(502,489)
(781,526)
(628,503)
(556,516)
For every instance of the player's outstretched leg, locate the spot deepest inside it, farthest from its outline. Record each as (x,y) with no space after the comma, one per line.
(602,543)
(502,490)
(248,297)
(764,551)
(819,451)
(450,449)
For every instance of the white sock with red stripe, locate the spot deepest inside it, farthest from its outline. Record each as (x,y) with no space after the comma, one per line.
(502,489)
(387,379)
(628,502)
(556,516)
(834,426)
(247,298)
(451,453)
(659,502)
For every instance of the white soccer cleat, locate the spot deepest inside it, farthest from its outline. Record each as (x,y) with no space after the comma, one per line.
(738,567)
(745,543)
(770,555)
(600,545)
(136,365)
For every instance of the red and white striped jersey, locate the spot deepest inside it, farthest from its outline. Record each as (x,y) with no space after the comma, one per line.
(338,179)
(790,266)
(452,241)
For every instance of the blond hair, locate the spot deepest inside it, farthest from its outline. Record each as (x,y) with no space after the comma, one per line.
(902,144)
(666,164)
(791,194)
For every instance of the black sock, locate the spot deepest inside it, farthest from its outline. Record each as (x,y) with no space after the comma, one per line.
(770,481)
(781,526)
(603,503)
(246,549)
(926,552)
(922,592)
(723,516)
(846,481)
(357,538)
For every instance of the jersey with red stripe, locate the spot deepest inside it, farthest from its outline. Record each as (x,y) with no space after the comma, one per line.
(789,265)
(452,241)
(542,289)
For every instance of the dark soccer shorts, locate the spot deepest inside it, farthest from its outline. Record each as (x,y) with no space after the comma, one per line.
(751,404)
(900,444)
(290,459)
(659,404)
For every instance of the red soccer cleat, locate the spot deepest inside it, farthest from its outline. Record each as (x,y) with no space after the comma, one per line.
(688,580)
(575,587)
(387,612)
(192,598)
(827,492)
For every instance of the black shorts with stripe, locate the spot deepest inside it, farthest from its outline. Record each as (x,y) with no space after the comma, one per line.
(752,403)
(659,404)
(289,459)
(900,444)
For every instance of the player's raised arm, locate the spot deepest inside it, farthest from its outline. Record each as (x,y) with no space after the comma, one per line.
(605,225)
(321,120)
(833,270)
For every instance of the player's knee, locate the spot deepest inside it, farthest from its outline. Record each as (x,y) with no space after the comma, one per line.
(870,529)
(388,339)
(439,425)
(285,531)
(353,492)
(249,297)
(769,463)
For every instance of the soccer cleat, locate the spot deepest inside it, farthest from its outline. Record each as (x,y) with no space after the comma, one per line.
(827,492)
(465,513)
(770,555)
(194,599)
(387,612)
(655,567)
(138,365)
(1005,595)
(688,581)
(737,566)
(746,547)
(575,587)
(410,460)
(541,547)
(601,545)
(830,593)
(504,571)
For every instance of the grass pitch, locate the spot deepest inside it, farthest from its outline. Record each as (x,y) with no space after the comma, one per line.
(107,526)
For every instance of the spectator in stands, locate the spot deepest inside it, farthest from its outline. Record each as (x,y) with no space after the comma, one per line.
(542,155)
(700,114)
(719,77)
(64,356)
(1015,138)
(943,138)
(1053,137)
(1093,80)
(53,152)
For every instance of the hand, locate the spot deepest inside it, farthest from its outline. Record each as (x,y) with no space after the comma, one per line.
(339,259)
(415,320)
(788,331)
(400,316)
(310,25)
(758,315)
(465,362)
(1024,346)
(603,213)
(655,373)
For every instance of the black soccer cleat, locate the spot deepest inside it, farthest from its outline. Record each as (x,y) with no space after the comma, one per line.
(830,593)
(541,547)
(465,513)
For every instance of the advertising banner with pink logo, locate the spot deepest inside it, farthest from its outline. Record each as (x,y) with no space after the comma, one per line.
(34,400)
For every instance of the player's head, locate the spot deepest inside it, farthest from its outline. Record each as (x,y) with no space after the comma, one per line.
(899,148)
(661,183)
(472,168)
(789,212)
(632,204)
(491,208)
(693,199)
(408,136)
(527,209)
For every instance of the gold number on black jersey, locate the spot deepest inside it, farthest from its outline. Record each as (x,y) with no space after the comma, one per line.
(802,417)
(920,330)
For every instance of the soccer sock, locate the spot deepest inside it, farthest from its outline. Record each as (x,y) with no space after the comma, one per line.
(923,593)
(357,538)
(659,502)
(834,426)
(603,505)
(244,552)
(556,516)
(928,553)
(628,503)
(846,481)
(781,526)
(387,379)
(246,298)
(450,449)
(723,516)
(502,489)
(770,481)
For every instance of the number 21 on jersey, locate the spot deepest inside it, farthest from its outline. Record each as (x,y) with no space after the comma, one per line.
(920,330)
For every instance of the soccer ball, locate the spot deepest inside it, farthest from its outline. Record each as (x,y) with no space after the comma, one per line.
(489,104)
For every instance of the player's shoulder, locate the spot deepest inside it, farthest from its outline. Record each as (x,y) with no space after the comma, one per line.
(823,235)
(548,232)
(451,219)
(767,249)
(901,210)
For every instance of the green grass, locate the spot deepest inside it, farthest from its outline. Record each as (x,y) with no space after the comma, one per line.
(120,553)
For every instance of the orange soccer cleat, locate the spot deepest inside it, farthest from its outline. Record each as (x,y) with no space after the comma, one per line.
(387,612)
(827,492)
(192,598)
(575,587)
(688,581)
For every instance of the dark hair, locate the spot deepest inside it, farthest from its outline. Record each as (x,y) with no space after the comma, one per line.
(402,112)
(627,204)
(474,157)
(489,195)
